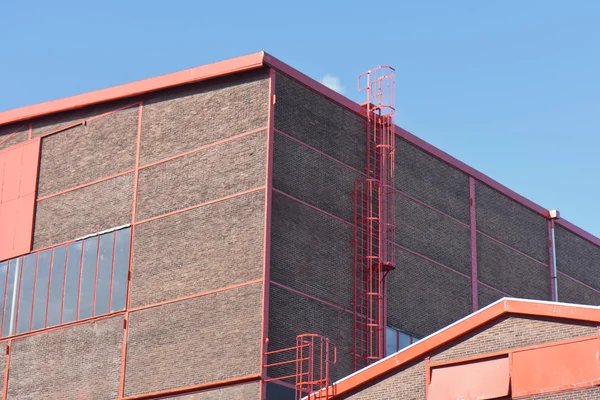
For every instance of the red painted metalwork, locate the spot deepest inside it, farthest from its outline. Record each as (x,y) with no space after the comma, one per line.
(487,379)
(473,226)
(18,183)
(374,219)
(11,135)
(311,357)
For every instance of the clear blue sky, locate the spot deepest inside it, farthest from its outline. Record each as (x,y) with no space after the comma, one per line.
(510,87)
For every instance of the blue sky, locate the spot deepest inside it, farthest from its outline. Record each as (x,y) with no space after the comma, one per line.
(510,87)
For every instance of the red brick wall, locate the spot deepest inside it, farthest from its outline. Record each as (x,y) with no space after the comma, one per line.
(196,341)
(78,362)
(407,384)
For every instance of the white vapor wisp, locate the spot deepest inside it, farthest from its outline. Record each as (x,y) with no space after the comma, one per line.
(333,83)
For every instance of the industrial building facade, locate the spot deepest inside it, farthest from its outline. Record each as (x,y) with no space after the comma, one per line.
(157,233)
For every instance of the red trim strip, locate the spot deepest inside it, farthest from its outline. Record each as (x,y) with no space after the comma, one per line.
(311,297)
(311,206)
(513,249)
(578,281)
(431,260)
(6,139)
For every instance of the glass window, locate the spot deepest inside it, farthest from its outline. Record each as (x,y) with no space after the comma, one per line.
(404,340)
(391,341)
(67,283)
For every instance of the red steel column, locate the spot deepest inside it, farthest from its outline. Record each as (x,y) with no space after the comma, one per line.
(473,224)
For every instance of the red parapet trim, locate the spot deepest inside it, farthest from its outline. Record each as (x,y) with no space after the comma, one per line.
(6,369)
(578,281)
(232,196)
(214,70)
(448,159)
(320,152)
(430,207)
(193,296)
(312,84)
(195,388)
(267,231)
(264,128)
(578,231)
(311,206)
(431,260)
(513,249)
(311,297)
(12,134)
(473,226)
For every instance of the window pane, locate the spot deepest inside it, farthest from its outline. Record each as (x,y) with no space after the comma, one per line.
(404,340)
(72,282)
(41,290)
(11,296)
(104,272)
(390,341)
(26,293)
(88,275)
(119,289)
(3,272)
(56,285)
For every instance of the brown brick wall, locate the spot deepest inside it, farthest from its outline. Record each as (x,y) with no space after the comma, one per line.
(83,154)
(424,297)
(291,314)
(195,341)
(210,174)
(311,251)
(78,362)
(179,120)
(511,333)
(203,249)
(2,362)
(578,394)
(84,211)
(407,384)
(250,391)
(21,135)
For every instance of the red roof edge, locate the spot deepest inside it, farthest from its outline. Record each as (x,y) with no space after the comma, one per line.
(540,309)
(196,74)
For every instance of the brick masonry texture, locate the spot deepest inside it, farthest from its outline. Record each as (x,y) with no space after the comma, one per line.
(2,362)
(487,296)
(196,341)
(592,393)
(577,257)
(311,252)
(22,133)
(511,272)
(83,154)
(203,249)
(432,181)
(85,211)
(407,384)
(433,235)
(291,314)
(320,123)
(181,119)
(313,178)
(210,174)
(511,223)
(417,301)
(511,333)
(78,362)
(570,291)
(241,392)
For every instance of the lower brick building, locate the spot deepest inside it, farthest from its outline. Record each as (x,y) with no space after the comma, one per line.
(158,238)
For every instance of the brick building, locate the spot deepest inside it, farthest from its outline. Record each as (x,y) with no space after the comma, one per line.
(153,236)
(512,349)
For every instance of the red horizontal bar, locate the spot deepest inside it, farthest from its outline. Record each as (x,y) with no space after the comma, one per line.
(513,249)
(313,207)
(311,297)
(579,282)
(129,171)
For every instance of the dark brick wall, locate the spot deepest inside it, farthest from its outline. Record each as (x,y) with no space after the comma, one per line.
(569,291)
(78,362)
(511,272)
(487,296)
(210,174)
(431,181)
(84,211)
(291,314)
(196,341)
(424,297)
(580,259)
(407,384)
(175,121)
(311,251)
(203,249)
(83,154)
(320,123)
(511,223)
(313,178)
(21,133)
(247,391)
